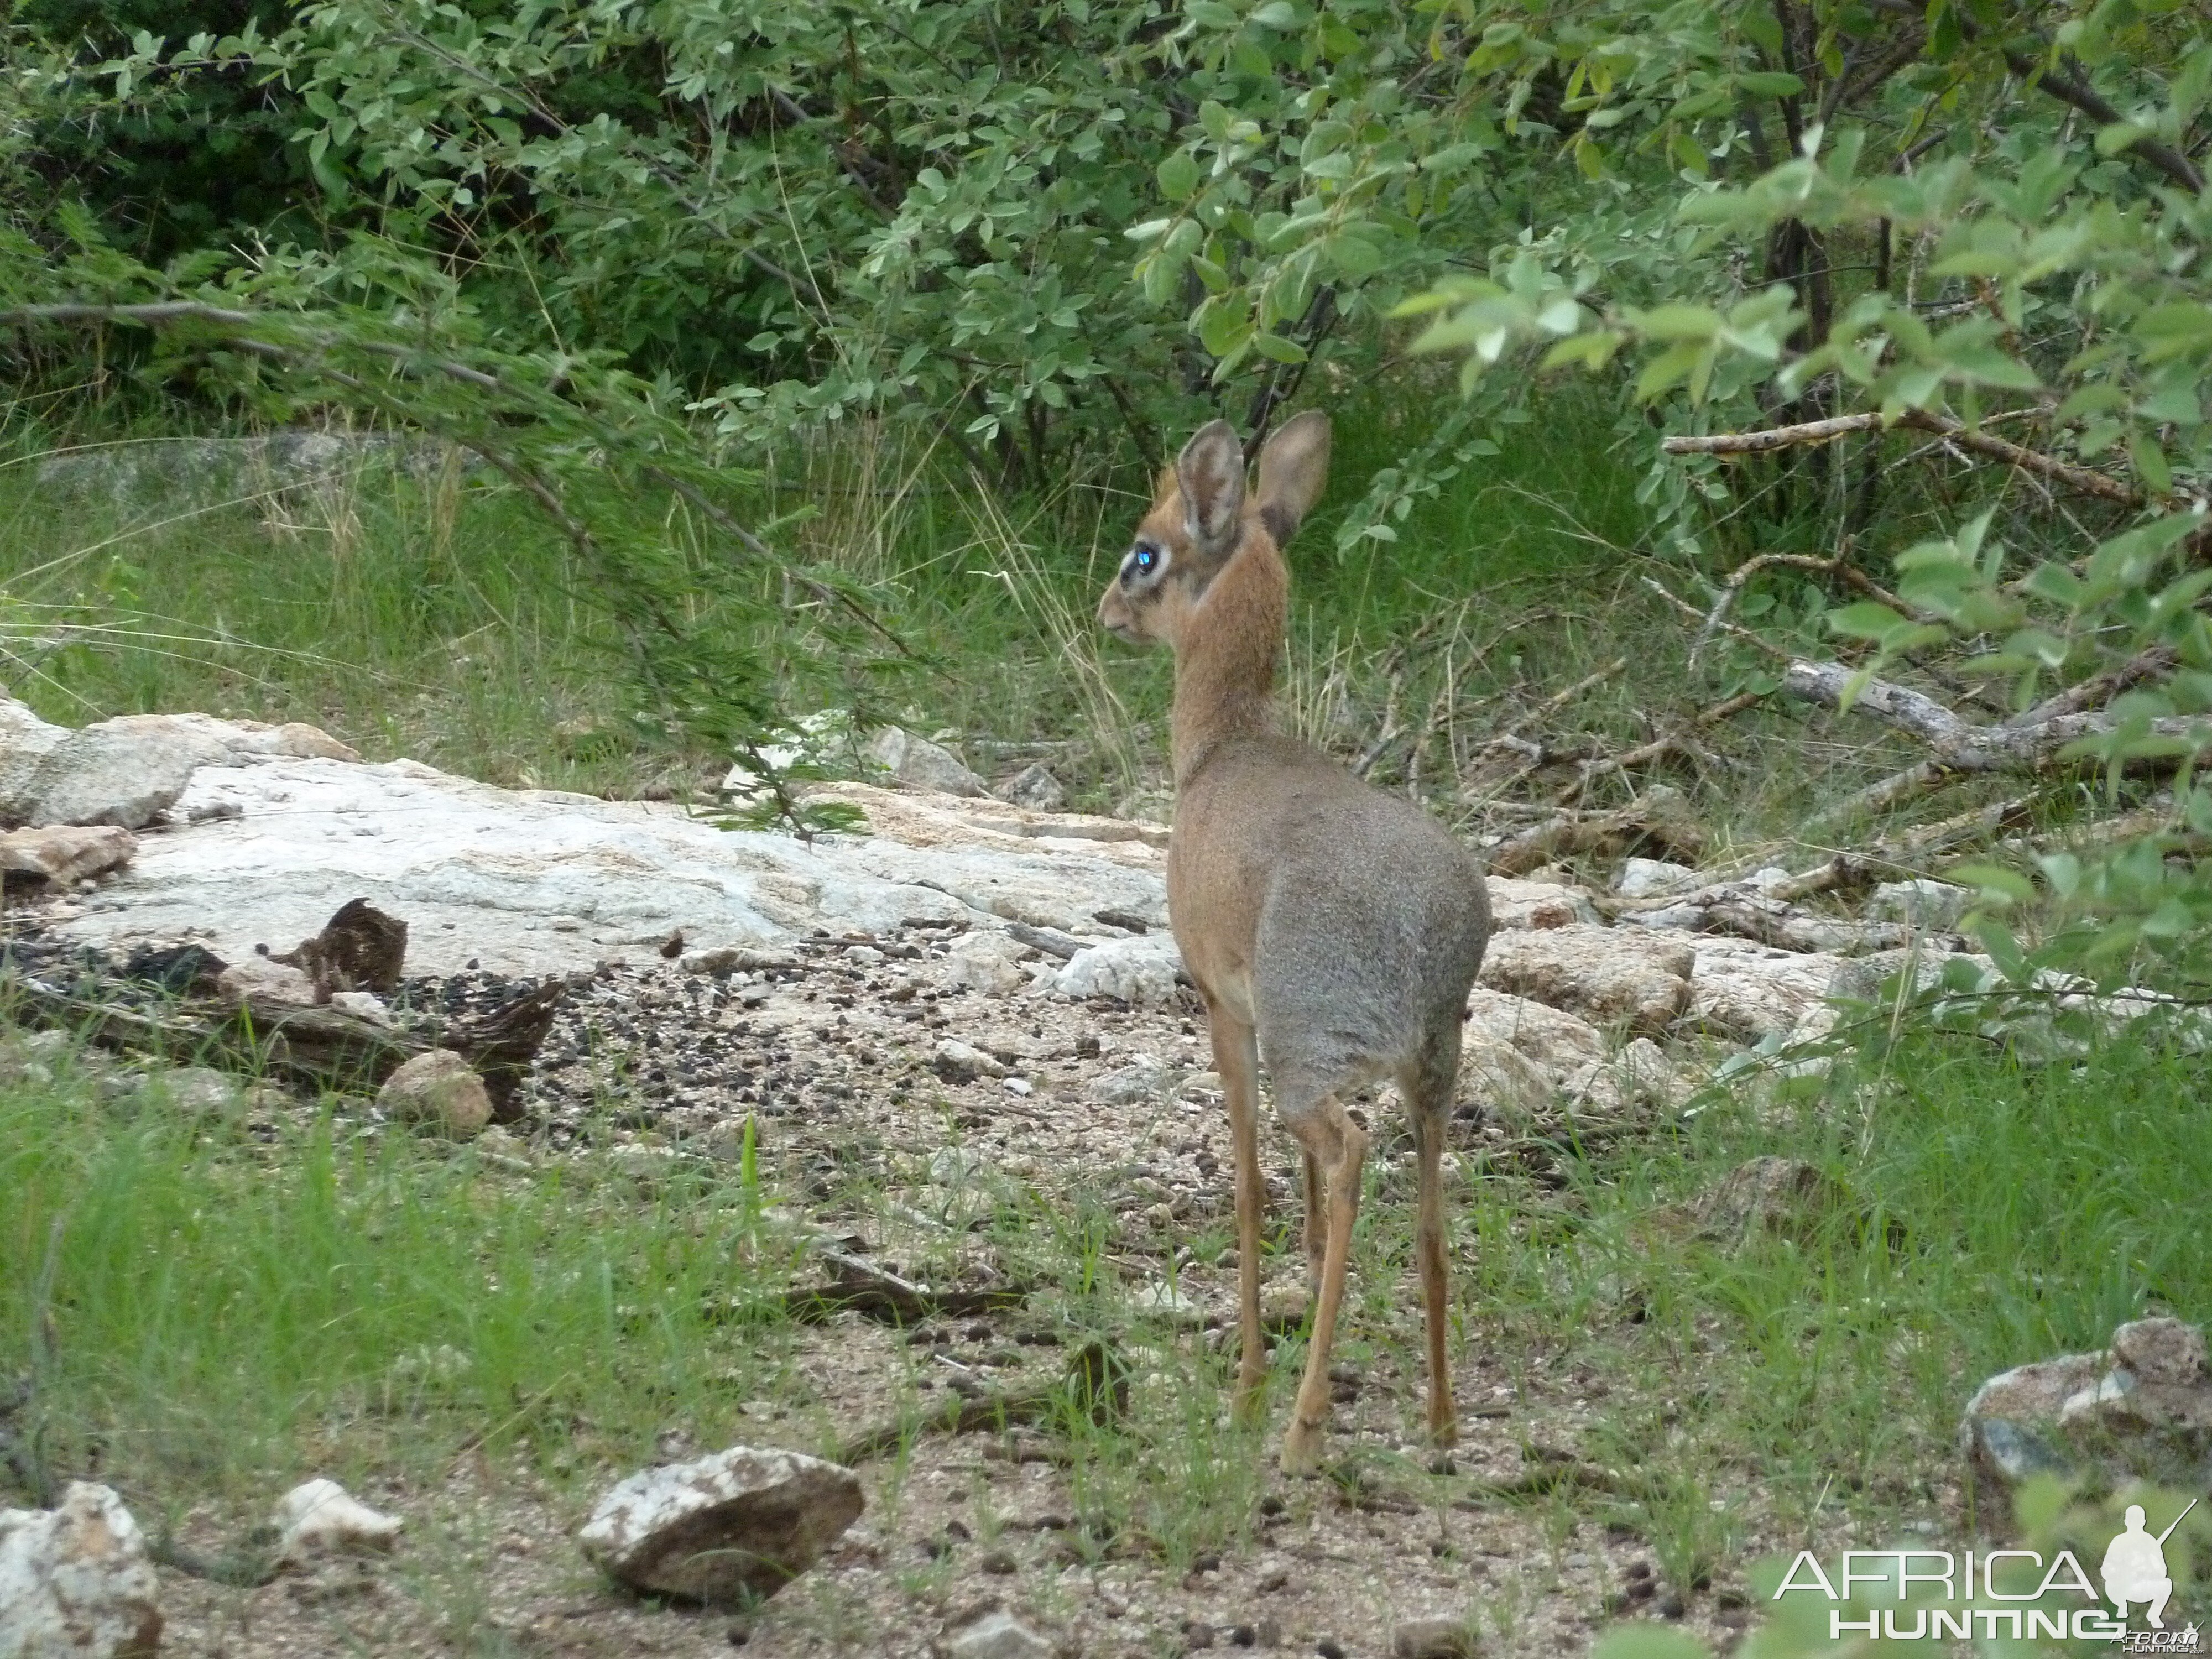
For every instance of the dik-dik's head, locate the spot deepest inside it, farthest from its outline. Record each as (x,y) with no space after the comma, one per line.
(1203,514)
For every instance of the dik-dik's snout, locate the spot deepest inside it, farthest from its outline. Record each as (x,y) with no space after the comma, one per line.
(1116,616)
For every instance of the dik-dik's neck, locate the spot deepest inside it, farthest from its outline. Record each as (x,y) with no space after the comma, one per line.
(1225,658)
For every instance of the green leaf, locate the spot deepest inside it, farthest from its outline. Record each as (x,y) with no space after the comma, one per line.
(1771,83)
(1676,322)
(1178,175)
(2150,465)
(1222,328)
(1865,620)
(2119,136)
(1995,882)
(1669,369)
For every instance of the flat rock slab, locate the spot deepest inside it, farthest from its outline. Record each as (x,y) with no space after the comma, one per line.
(263,850)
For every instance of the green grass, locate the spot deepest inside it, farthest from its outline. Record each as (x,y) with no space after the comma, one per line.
(442,618)
(205,1311)
(221,1305)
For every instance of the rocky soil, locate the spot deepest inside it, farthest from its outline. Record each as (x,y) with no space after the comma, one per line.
(968,1000)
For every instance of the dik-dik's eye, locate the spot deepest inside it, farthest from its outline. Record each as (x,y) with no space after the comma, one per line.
(1143,562)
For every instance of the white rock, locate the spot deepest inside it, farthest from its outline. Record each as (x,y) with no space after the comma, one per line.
(1497,1075)
(1144,1078)
(1520,1053)
(2140,1410)
(1611,976)
(822,737)
(1559,1041)
(25,741)
(1648,878)
(984,960)
(741,1523)
(129,771)
(75,1582)
(1520,901)
(321,1517)
(1933,906)
(364,1006)
(1140,970)
(992,1633)
(917,763)
(481,873)
(67,854)
(1034,787)
(438,1088)
(2163,1353)
(1171,1303)
(101,775)
(954,1166)
(30,1057)
(257,980)
(960,1062)
(1745,990)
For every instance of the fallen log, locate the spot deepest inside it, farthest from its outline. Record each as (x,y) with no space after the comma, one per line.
(320,1048)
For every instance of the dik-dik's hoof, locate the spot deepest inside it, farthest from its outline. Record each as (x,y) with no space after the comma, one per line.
(1302,1448)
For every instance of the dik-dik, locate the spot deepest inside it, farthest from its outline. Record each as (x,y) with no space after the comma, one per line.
(1332,929)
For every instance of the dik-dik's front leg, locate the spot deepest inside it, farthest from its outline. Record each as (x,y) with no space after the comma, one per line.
(1236,1058)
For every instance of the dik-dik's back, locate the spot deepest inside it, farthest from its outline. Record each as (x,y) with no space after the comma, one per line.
(1345,923)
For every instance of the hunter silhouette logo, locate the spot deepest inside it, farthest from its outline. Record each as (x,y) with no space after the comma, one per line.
(2135,1567)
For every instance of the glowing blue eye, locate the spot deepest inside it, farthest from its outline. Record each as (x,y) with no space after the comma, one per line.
(1146,559)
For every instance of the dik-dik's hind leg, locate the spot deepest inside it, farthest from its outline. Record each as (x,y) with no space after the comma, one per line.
(1428,1107)
(1316,1227)
(1338,1147)
(1236,1057)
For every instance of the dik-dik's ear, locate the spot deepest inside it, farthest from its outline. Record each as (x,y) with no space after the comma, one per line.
(1293,468)
(1211,470)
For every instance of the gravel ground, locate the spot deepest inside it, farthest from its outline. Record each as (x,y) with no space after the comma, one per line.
(838,1056)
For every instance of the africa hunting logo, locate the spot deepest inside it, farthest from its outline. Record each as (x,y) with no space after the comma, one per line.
(2133,1573)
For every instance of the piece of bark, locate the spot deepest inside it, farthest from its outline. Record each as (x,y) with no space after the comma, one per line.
(360,948)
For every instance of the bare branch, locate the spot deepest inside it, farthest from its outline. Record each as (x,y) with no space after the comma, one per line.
(1778,437)
(2083,479)
(2071,88)
(1826,684)
(1961,746)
